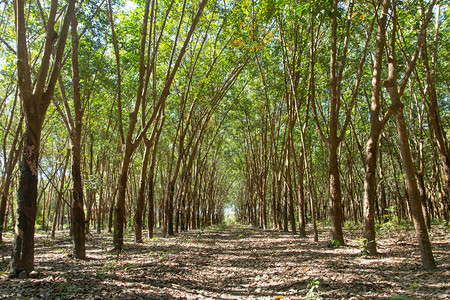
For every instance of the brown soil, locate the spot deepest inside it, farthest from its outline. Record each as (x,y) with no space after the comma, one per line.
(235,262)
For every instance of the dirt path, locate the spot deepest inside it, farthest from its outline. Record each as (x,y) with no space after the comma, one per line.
(234,263)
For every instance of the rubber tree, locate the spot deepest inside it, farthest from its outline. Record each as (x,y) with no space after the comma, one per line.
(36,95)
(376,126)
(334,137)
(395,92)
(434,111)
(74,123)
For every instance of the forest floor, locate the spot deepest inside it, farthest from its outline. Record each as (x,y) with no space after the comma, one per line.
(234,262)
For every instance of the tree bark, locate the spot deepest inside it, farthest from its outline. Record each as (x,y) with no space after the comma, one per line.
(23,255)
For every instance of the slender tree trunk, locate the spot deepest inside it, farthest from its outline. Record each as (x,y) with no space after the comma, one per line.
(279,202)
(333,141)
(119,207)
(433,111)
(428,261)
(413,193)
(382,188)
(301,202)
(169,209)
(376,126)
(291,202)
(100,209)
(274,201)
(13,156)
(285,208)
(335,196)
(151,184)
(370,194)
(77,209)
(59,198)
(140,203)
(151,201)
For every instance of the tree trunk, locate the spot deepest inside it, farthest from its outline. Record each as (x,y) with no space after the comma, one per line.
(151,203)
(13,156)
(301,202)
(140,202)
(169,209)
(333,141)
(291,202)
(35,101)
(370,194)
(151,183)
(77,211)
(274,201)
(23,253)
(428,261)
(382,189)
(78,224)
(279,208)
(59,198)
(433,111)
(119,207)
(335,197)
(285,208)
(100,209)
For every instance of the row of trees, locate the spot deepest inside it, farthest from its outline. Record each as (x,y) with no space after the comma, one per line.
(351,97)
(163,113)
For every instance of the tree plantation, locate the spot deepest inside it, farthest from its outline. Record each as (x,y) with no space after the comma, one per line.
(224,149)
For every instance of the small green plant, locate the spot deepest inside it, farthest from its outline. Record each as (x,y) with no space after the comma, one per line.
(336,243)
(412,286)
(313,291)
(364,244)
